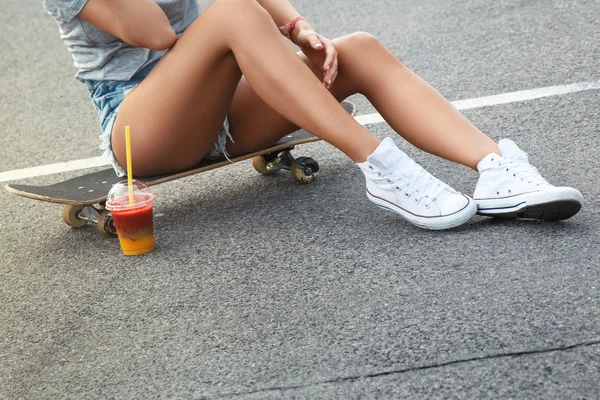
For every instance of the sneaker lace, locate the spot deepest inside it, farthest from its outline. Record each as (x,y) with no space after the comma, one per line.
(524,171)
(418,183)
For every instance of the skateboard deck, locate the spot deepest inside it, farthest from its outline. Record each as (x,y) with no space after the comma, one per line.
(80,194)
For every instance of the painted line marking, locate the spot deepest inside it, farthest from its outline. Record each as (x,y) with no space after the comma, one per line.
(504,98)
(52,169)
(375,118)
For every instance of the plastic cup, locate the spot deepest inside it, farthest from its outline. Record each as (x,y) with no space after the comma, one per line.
(134,221)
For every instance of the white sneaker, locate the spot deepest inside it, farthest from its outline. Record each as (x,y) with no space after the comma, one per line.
(396,183)
(510,187)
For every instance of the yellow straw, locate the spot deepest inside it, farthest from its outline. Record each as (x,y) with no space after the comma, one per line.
(129,169)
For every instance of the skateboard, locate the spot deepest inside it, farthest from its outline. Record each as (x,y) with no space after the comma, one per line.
(83,198)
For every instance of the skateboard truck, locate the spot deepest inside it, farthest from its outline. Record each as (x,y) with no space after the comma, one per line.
(302,169)
(78,216)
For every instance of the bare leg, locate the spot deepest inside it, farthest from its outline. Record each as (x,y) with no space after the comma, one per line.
(411,106)
(255,125)
(426,119)
(175,113)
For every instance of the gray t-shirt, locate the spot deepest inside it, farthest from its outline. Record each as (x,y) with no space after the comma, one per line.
(100,56)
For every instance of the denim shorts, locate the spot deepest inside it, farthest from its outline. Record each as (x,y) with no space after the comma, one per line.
(108,96)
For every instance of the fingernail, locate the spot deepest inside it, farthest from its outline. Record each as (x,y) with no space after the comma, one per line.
(318,45)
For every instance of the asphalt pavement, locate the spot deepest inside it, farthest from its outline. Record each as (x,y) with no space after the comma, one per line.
(264,288)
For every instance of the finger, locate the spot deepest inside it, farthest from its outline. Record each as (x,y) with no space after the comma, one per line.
(332,80)
(331,72)
(330,56)
(315,42)
(334,77)
(336,67)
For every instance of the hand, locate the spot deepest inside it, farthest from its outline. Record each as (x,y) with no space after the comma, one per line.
(321,51)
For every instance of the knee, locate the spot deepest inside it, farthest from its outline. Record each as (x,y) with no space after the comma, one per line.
(358,41)
(360,46)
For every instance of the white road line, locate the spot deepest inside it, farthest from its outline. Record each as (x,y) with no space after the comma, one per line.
(503,98)
(525,95)
(366,119)
(52,169)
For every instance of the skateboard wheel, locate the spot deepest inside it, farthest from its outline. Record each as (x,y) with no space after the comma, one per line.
(304,170)
(70,214)
(106,224)
(260,165)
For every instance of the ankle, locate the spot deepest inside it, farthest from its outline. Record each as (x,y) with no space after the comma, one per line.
(384,156)
(482,154)
(365,150)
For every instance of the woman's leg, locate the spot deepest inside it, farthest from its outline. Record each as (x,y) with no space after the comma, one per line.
(254,125)
(176,112)
(508,186)
(393,180)
(411,106)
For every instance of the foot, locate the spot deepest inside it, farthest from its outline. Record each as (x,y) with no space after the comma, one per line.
(510,187)
(396,183)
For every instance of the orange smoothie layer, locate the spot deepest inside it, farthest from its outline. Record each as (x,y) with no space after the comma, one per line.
(141,245)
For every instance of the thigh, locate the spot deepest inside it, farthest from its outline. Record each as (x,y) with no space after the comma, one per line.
(254,125)
(177,111)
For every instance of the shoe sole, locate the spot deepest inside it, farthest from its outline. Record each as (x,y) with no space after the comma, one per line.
(556,204)
(431,223)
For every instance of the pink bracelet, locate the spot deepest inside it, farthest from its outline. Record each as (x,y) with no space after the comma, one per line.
(288,27)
